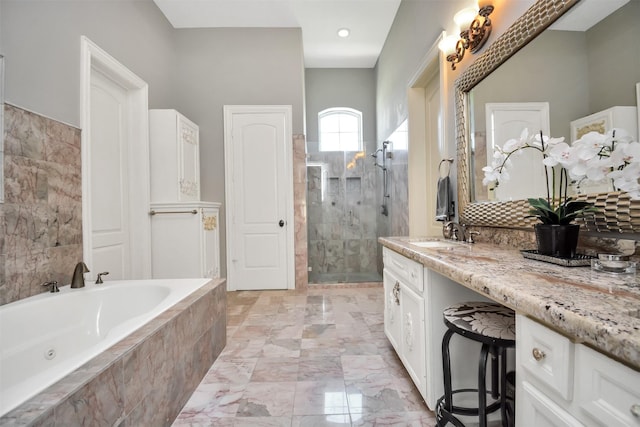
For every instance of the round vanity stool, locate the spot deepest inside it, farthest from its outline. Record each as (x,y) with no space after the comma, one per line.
(493,325)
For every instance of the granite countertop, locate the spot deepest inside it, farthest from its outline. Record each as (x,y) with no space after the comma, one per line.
(599,309)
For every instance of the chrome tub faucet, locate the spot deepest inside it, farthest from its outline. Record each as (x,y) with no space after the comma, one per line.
(78,275)
(53,286)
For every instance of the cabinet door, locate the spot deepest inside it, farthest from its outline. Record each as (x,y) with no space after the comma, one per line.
(413,338)
(188,157)
(176,243)
(607,392)
(211,245)
(392,315)
(535,409)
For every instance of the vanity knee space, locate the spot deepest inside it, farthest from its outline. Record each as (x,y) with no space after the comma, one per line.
(562,383)
(415,298)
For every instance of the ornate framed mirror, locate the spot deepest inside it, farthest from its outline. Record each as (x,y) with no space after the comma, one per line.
(617,212)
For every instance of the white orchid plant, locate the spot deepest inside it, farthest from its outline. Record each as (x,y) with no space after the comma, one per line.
(593,157)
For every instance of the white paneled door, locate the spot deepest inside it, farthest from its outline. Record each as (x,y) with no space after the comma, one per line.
(109,183)
(115,167)
(505,121)
(259,195)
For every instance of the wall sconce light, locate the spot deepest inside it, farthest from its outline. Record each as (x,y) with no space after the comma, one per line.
(477,27)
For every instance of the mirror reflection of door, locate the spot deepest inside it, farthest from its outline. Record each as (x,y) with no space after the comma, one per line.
(506,121)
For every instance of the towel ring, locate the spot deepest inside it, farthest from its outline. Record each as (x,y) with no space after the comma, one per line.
(446,161)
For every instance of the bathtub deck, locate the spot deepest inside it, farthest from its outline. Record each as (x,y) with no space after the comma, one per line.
(302,358)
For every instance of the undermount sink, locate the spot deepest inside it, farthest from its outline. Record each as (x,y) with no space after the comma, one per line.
(435,244)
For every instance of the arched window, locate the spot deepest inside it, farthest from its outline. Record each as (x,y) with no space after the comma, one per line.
(340,129)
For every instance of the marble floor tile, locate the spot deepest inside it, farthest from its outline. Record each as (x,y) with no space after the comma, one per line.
(320,398)
(270,369)
(306,358)
(334,420)
(269,399)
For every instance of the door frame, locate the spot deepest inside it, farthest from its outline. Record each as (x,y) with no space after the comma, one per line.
(94,59)
(229,111)
(424,159)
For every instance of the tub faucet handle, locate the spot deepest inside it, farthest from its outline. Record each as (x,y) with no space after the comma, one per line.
(99,279)
(53,286)
(78,275)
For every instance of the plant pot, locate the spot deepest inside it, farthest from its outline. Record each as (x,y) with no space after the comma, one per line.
(557,240)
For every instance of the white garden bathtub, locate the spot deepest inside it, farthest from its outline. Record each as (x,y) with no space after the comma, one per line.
(45,337)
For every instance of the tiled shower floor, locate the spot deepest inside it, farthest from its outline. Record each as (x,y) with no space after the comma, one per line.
(327,278)
(306,358)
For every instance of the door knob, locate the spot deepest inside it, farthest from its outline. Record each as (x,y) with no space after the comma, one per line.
(281,223)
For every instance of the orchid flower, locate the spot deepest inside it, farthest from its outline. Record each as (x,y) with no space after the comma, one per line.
(595,157)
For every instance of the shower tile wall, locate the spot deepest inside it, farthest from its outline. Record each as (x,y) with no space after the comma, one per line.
(342,203)
(398,201)
(41,227)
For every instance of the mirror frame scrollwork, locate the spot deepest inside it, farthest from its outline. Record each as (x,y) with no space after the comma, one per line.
(617,212)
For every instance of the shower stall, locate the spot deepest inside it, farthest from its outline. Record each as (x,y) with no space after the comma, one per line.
(343,205)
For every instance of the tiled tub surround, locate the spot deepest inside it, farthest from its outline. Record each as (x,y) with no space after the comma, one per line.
(146,378)
(599,309)
(41,218)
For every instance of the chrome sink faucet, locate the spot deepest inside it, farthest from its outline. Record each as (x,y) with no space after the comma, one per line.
(454,231)
(78,275)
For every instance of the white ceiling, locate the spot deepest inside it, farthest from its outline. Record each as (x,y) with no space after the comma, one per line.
(368,20)
(586,14)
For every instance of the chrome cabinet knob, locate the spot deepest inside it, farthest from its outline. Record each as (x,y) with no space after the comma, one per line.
(538,354)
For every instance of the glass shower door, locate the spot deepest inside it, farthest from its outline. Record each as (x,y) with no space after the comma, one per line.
(341,208)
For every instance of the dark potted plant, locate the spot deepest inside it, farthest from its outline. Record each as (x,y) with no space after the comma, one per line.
(557,235)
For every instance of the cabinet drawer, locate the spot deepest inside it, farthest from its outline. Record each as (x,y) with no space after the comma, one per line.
(607,392)
(407,270)
(534,409)
(545,356)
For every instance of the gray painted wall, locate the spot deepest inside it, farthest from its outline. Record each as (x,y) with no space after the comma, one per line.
(340,87)
(530,76)
(592,76)
(41,43)
(407,44)
(614,51)
(194,71)
(248,66)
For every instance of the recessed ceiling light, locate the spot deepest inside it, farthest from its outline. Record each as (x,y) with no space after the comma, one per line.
(343,32)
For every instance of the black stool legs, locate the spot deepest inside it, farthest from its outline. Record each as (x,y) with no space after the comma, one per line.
(445,409)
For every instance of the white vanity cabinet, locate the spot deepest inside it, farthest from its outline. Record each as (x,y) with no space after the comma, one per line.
(392,315)
(185,240)
(415,298)
(404,313)
(174,157)
(561,383)
(603,121)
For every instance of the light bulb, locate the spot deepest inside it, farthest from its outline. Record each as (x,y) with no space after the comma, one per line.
(448,44)
(343,32)
(465,17)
